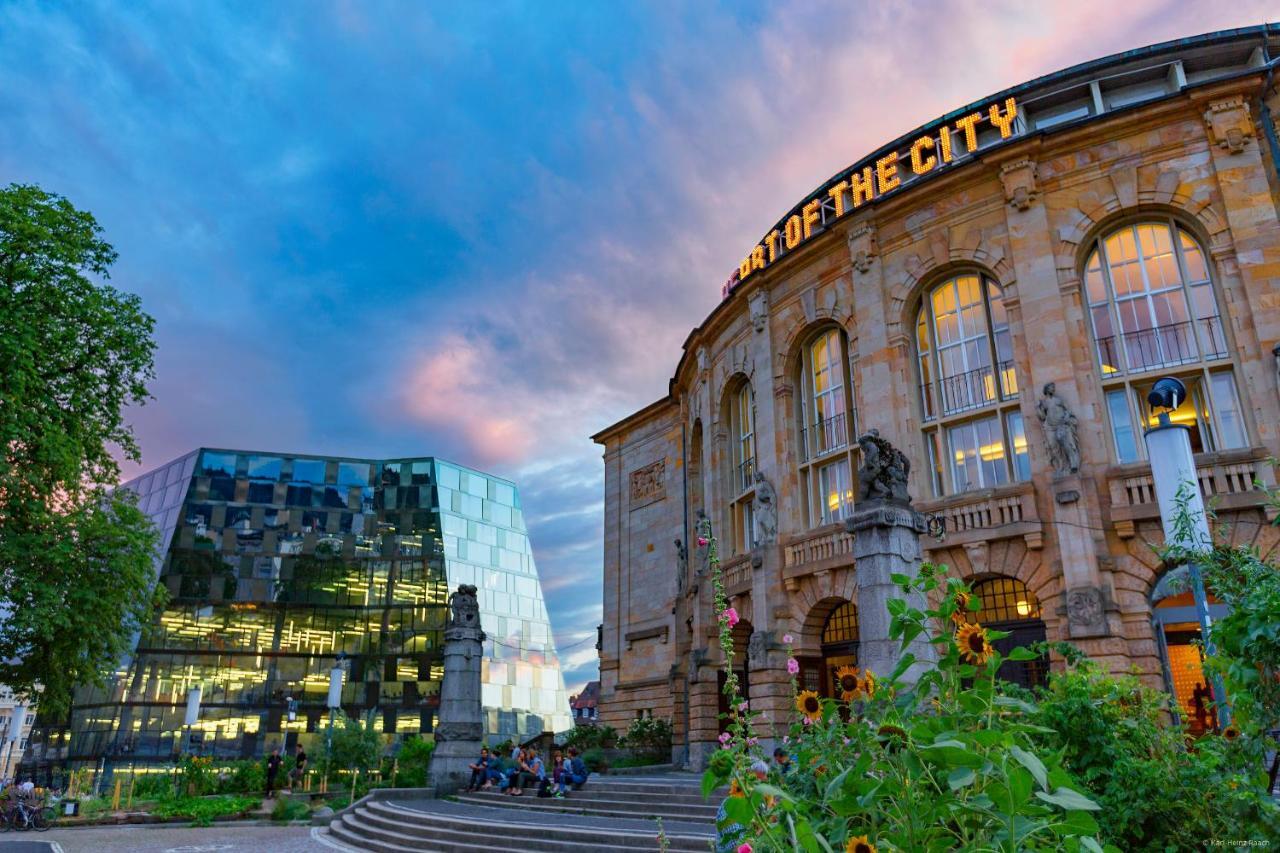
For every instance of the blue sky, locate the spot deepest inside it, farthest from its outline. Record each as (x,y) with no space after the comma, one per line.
(477,230)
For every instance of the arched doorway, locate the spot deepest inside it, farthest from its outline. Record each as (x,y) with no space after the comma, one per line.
(1007,605)
(1176,626)
(839,644)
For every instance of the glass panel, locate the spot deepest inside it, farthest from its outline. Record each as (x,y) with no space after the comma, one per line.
(977,455)
(1192,258)
(353,474)
(265,467)
(835,490)
(308,471)
(1187,414)
(212,464)
(964,457)
(1227,406)
(1018,435)
(1122,426)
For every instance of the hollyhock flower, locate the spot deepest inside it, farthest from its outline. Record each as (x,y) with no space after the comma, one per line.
(744,848)
(793,666)
(788,639)
(724,737)
(702,541)
(742,707)
(730,615)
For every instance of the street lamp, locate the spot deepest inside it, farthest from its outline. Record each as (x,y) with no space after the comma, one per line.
(13,734)
(335,705)
(291,708)
(1173,475)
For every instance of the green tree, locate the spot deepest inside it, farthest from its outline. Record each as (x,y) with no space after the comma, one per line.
(354,746)
(75,555)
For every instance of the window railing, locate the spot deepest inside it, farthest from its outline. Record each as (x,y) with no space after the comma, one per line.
(825,436)
(967,391)
(746,474)
(1162,346)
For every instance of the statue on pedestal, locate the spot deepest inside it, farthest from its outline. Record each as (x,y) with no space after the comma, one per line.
(764,512)
(1060,427)
(884,470)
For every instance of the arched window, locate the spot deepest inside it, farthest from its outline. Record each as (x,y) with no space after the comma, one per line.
(827,424)
(1153,313)
(742,424)
(974,432)
(839,645)
(1007,605)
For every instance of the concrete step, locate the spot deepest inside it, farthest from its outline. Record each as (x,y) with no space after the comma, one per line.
(386,828)
(602,805)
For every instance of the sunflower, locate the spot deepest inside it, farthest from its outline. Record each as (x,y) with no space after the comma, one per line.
(848,682)
(809,705)
(859,844)
(1231,733)
(961,614)
(891,737)
(868,683)
(975,648)
(735,790)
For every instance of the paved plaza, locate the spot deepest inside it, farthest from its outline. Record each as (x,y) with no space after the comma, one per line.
(226,838)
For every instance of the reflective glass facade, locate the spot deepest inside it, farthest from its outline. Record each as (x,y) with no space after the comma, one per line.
(275,565)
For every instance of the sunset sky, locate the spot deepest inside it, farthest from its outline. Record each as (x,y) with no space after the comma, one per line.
(479,231)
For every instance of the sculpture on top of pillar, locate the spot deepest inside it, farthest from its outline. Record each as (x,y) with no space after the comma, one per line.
(1059,431)
(884,470)
(460,729)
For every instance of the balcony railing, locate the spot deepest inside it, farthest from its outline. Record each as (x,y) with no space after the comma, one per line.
(746,474)
(816,548)
(1162,346)
(1229,477)
(1004,512)
(825,436)
(970,390)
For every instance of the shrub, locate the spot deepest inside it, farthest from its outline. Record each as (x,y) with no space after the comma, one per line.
(203,810)
(287,809)
(649,738)
(584,737)
(414,762)
(196,775)
(153,786)
(595,760)
(248,776)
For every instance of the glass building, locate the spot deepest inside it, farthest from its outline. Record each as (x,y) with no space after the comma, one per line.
(277,567)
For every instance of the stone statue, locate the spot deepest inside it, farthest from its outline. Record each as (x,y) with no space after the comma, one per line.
(757,649)
(1275,353)
(465,609)
(884,470)
(764,512)
(1059,431)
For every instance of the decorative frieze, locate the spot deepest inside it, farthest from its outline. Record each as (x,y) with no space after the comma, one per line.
(648,484)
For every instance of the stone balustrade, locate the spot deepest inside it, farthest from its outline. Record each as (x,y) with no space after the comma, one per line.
(736,575)
(1228,478)
(818,549)
(1001,513)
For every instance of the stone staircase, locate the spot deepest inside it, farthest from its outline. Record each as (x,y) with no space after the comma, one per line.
(609,813)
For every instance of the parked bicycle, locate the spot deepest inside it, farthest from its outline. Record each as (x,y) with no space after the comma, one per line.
(23,813)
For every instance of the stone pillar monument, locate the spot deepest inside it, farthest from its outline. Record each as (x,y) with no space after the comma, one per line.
(886,541)
(460,729)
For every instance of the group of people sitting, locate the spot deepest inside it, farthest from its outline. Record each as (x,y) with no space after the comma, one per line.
(525,769)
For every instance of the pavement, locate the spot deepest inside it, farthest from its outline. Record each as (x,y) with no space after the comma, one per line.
(224,838)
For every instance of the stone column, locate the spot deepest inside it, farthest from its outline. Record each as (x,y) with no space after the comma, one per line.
(460,731)
(886,541)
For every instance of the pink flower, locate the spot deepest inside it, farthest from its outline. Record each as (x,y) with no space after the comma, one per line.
(742,707)
(786,738)
(730,615)
(702,541)
(793,666)
(724,737)
(744,848)
(752,741)
(807,721)
(788,639)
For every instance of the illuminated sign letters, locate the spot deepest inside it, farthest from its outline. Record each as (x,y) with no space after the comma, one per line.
(868,181)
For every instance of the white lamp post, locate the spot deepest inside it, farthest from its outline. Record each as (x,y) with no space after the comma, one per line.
(1173,474)
(335,704)
(14,734)
(193,710)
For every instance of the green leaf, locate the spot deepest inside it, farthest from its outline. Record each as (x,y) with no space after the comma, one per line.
(1021,653)
(1035,765)
(904,663)
(1020,704)
(1069,799)
(773,791)
(738,810)
(710,781)
(951,753)
(899,579)
(834,786)
(1089,842)
(961,777)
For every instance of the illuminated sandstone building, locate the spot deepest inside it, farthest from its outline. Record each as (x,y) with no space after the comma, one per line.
(277,564)
(994,292)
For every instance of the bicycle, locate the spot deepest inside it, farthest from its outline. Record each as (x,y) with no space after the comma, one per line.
(21,815)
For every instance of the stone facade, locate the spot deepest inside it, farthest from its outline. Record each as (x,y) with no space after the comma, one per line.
(1025,215)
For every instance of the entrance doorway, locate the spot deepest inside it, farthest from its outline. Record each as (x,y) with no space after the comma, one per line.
(1177,631)
(1007,605)
(741,667)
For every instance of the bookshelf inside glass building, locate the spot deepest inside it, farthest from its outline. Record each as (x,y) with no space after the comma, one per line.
(277,568)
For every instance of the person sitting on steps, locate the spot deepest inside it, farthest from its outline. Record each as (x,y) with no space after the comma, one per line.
(576,769)
(480,770)
(532,772)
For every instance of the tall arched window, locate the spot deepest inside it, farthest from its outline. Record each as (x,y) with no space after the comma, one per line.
(742,423)
(827,424)
(1007,605)
(1153,313)
(974,431)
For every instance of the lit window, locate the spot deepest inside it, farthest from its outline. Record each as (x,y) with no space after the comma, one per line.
(827,427)
(742,417)
(969,387)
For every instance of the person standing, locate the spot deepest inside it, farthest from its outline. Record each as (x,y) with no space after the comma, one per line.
(299,767)
(274,761)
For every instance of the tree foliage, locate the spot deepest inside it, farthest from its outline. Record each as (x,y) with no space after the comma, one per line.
(355,745)
(75,556)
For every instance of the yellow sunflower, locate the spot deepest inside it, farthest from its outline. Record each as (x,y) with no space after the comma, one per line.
(859,844)
(809,705)
(848,682)
(735,790)
(975,648)
(868,683)
(961,614)
(1231,733)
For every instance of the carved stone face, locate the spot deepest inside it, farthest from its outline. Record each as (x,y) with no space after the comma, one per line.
(1049,389)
